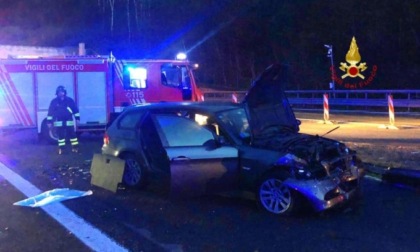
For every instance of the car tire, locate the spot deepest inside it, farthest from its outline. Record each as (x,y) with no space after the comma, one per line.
(274,196)
(134,172)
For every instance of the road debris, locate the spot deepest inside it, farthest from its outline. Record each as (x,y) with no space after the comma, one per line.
(55,195)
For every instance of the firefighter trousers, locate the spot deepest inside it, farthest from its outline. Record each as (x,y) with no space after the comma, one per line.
(67,131)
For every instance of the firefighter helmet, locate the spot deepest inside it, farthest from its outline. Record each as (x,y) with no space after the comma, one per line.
(60,89)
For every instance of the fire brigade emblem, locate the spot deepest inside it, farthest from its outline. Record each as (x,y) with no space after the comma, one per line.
(353,68)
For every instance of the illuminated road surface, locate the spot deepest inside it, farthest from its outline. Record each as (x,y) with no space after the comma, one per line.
(365,128)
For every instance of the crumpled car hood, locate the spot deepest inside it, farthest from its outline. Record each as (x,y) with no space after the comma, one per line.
(308,148)
(314,157)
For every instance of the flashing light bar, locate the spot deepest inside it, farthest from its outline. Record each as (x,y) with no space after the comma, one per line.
(181,56)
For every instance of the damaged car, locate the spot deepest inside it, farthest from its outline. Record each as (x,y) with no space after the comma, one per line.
(250,148)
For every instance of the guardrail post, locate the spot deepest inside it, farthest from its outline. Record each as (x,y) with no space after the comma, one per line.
(408,98)
(391,114)
(234,97)
(326,108)
(391,110)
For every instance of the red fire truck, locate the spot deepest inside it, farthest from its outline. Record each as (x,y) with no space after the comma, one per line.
(101,86)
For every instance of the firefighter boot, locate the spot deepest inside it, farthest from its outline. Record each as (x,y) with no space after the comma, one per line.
(60,151)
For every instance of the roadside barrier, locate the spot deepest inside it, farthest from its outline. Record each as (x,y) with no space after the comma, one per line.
(343,101)
(407,101)
(326,108)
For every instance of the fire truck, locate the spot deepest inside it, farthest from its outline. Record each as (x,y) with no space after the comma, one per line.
(100,85)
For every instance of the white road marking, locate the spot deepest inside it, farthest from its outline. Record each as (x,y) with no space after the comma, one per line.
(86,233)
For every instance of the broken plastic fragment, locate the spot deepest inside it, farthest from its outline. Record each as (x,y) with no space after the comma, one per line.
(51,196)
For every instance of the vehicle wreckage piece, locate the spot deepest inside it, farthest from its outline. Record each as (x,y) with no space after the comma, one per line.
(107,171)
(52,196)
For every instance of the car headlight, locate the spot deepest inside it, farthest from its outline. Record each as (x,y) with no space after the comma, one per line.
(298,166)
(301,172)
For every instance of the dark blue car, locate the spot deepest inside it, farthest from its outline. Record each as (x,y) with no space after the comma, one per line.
(253,148)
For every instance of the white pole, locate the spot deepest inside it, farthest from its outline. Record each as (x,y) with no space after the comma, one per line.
(234,97)
(391,110)
(326,108)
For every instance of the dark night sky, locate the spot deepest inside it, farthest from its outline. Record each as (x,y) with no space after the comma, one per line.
(232,40)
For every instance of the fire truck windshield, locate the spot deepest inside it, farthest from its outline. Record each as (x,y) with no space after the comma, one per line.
(175,76)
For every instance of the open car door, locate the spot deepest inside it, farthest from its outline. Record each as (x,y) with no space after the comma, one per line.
(198,164)
(267,103)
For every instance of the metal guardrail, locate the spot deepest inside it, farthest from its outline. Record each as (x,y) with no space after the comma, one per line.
(226,96)
(403,100)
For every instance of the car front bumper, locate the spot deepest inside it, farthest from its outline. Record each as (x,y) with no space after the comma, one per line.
(331,191)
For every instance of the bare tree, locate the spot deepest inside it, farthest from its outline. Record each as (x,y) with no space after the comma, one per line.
(128,20)
(136,14)
(112,5)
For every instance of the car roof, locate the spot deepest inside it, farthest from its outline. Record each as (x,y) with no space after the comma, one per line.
(210,107)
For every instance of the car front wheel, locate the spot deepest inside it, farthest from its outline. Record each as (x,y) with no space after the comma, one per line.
(276,197)
(134,173)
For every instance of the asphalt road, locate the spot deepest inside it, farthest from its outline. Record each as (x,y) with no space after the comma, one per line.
(384,219)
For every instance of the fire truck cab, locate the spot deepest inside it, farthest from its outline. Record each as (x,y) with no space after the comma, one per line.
(101,87)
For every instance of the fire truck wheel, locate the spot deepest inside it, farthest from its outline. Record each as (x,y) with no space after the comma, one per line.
(47,134)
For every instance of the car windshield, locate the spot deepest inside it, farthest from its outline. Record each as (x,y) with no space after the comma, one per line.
(236,122)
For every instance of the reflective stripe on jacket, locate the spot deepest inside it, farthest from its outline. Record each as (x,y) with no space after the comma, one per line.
(63,110)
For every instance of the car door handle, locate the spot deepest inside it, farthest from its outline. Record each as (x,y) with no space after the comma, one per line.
(180,158)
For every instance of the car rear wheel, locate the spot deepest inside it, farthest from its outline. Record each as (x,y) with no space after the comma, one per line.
(134,172)
(274,196)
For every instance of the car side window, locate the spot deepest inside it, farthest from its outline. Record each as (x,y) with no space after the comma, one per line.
(130,120)
(180,131)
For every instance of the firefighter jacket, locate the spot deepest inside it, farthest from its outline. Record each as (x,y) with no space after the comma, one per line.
(61,112)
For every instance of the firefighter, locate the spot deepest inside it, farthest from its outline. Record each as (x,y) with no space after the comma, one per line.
(60,115)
